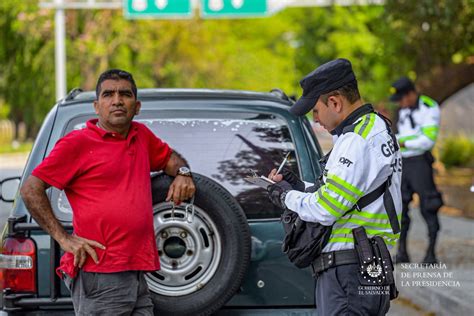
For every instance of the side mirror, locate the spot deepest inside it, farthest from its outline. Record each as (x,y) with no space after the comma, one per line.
(8,189)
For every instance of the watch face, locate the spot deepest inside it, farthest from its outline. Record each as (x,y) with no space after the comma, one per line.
(184,170)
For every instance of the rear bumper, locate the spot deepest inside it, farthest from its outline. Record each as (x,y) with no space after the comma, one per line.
(39,313)
(226,312)
(27,303)
(267,312)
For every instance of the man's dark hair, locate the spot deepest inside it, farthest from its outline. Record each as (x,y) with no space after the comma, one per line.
(115,74)
(350,91)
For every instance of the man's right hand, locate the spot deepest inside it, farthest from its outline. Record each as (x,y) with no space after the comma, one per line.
(80,248)
(289,177)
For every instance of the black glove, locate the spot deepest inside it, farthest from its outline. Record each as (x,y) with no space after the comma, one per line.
(315,187)
(311,189)
(277,193)
(293,180)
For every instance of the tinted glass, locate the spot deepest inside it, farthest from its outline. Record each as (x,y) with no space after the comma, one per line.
(224,146)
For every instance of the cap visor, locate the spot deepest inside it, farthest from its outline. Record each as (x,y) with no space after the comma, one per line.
(303,105)
(395,97)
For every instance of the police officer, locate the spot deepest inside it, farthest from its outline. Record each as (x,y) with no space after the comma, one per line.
(364,156)
(418,126)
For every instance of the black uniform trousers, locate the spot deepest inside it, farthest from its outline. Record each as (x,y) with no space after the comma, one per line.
(417,177)
(338,292)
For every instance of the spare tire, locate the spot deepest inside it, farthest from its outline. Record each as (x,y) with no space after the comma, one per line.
(203,254)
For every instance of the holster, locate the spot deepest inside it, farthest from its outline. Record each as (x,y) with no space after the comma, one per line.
(375,263)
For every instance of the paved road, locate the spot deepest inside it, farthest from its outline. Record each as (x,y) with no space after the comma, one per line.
(446,289)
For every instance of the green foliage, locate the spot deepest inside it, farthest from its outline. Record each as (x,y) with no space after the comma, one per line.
(323,34)
(27,61)
(382,42)
(428,33)
(192,53)
(4,110)
(457,151)
(15,147)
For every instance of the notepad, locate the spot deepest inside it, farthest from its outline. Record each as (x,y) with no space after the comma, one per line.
(260,181)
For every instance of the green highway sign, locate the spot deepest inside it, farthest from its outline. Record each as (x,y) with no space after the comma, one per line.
(233,8)
(157,9)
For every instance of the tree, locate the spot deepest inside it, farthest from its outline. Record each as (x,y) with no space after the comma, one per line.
(191,53)
(27,59)
(333,32)
(432,40)
(428,39)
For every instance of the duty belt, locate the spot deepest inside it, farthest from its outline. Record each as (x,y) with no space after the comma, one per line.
(333,259)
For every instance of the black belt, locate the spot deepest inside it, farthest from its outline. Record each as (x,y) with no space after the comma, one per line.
(426,156)
(333,259)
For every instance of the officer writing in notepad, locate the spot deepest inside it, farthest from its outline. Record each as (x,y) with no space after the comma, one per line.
(364,159)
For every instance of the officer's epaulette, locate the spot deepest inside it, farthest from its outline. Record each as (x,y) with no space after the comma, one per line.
(429,102)
(362,126)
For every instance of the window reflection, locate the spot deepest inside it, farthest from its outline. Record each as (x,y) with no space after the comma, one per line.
(223,146)
(226,148)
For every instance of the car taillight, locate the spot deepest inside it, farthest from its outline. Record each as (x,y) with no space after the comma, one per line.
(18,264)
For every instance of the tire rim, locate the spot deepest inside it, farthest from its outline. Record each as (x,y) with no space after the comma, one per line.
(190,249)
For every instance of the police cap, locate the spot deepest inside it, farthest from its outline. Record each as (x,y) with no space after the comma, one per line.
(401,87)
(326,78)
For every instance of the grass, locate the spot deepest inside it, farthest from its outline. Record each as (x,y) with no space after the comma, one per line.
(19,148)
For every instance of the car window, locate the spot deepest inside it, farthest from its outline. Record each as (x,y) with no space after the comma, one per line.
(224,146)
(313,147)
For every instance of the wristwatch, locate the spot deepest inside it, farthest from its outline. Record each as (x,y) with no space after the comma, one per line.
(184,171)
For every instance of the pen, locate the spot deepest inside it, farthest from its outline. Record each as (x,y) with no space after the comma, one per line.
(283,163)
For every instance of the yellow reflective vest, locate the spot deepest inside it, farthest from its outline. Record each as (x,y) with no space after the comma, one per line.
(359,163)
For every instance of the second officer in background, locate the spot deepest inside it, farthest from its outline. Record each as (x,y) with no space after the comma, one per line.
(418,126)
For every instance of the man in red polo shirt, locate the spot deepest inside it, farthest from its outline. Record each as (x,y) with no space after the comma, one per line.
(104,170)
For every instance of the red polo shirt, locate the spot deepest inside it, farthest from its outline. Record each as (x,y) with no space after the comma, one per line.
(106,179)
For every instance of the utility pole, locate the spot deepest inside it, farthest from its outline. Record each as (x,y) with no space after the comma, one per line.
(60,7)
(60,50)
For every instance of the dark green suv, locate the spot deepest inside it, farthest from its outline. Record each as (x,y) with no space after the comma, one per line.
(220,256)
